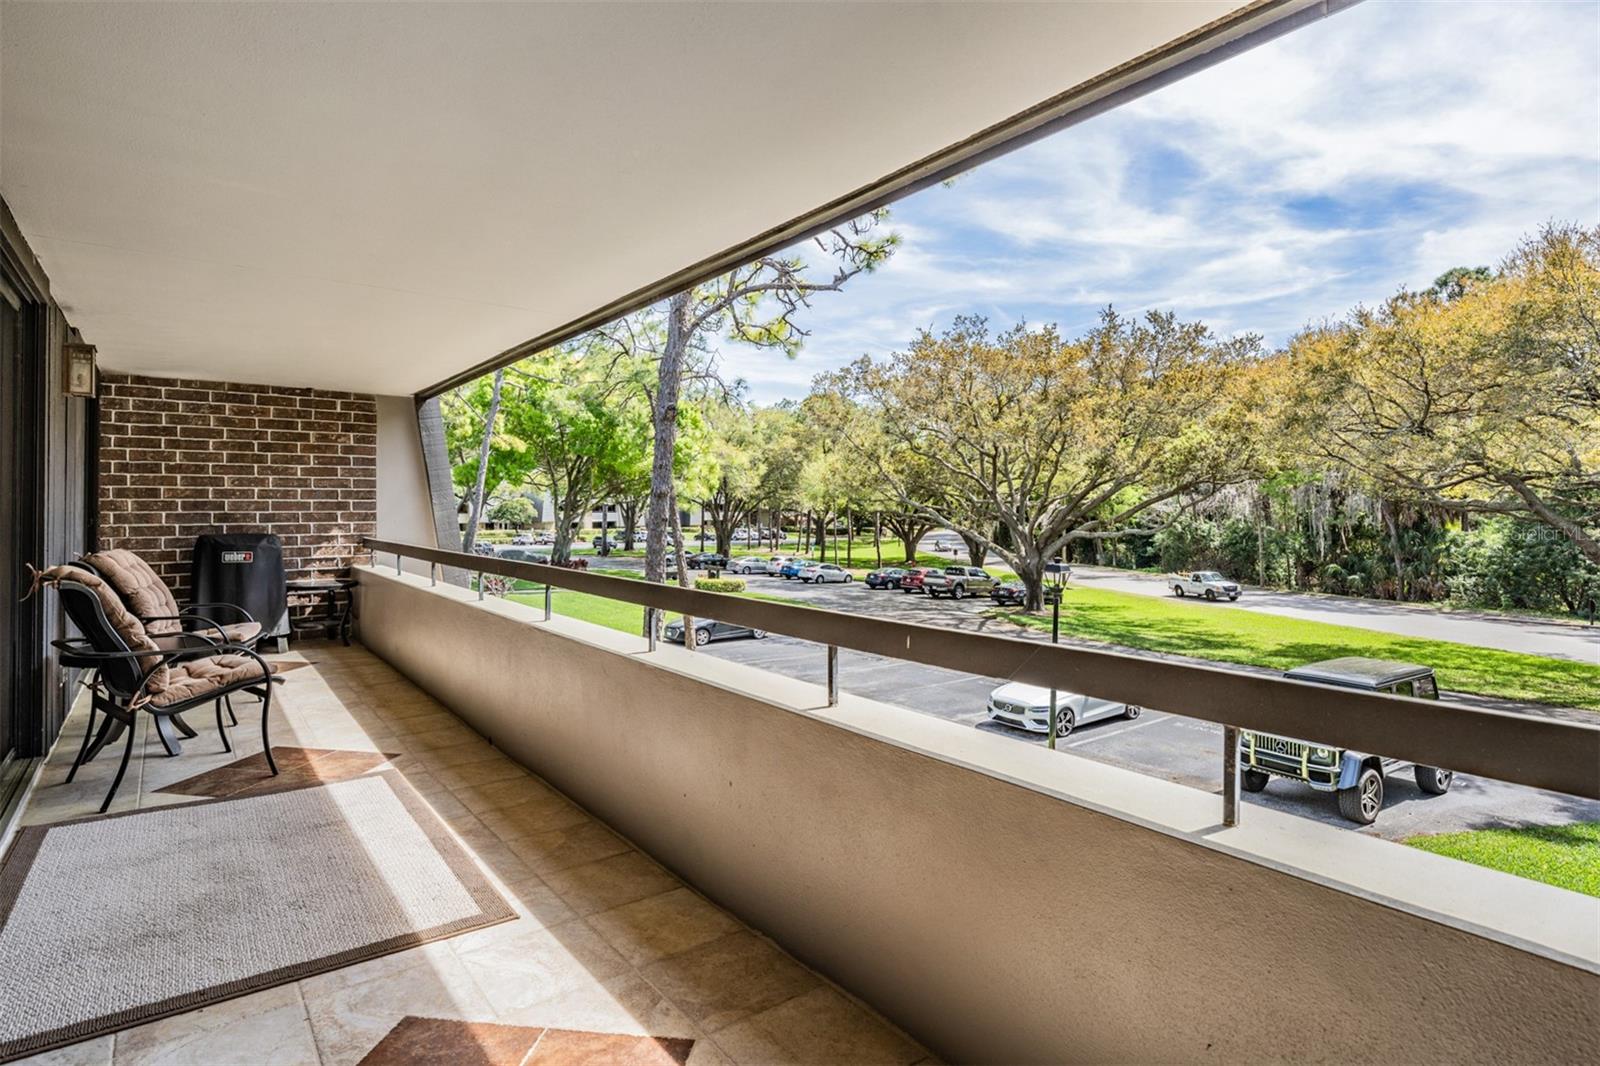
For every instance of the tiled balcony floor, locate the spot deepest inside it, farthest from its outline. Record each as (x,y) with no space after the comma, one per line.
(606,941)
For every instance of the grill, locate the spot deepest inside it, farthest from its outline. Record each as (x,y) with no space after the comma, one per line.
(1265,744)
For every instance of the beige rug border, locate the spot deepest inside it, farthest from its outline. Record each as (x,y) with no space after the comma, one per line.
(492,908)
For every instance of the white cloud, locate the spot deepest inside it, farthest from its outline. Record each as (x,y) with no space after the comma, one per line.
(1364,153)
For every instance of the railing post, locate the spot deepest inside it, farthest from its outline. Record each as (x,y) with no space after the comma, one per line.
(547,601)
(397,564)
(480,584)
(833,675)
(650,628)
(1230,775)
(433,573)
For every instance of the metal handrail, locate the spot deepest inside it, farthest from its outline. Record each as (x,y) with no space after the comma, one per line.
(1541,752)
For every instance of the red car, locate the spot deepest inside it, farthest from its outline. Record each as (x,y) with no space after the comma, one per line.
(912,581)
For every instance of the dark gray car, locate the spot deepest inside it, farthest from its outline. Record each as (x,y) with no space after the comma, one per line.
(707,629)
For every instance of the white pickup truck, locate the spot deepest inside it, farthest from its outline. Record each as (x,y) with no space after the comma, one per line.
(1205,583)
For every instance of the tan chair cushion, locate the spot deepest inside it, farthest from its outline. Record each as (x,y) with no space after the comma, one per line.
(140,586)
(196,677)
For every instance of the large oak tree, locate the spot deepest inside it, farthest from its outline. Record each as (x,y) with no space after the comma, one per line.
(1481,396)
(1056,440)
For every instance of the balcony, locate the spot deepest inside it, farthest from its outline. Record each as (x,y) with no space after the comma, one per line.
(652,816)
(608,951)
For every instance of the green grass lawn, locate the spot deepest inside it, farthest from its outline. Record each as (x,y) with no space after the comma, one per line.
(1563,855)
(1231,636)
(613,614)
(602,611)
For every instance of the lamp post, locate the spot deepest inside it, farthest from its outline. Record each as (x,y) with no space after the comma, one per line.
(1055,576)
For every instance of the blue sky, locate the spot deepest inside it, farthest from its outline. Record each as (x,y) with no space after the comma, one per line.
(1366,153)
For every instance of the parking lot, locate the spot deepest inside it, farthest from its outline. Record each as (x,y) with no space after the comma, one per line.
(1159,743)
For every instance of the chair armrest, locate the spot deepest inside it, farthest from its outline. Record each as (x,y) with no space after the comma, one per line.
(185,616)
(196,608)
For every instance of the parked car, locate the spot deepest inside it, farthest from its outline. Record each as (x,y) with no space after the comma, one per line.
(823,573)
(754,565)
(544,538)
(1015,594)
(1356,776)
(522,538)
(523,555)
(886,578)
(791,568)
(706,630)
(706,561)
(958,581)
(1028,707)
(912,579)
(1206,583)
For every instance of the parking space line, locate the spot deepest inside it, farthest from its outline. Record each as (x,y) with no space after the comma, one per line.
(1153,718)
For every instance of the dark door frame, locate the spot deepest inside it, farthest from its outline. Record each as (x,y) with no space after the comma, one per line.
(26,389)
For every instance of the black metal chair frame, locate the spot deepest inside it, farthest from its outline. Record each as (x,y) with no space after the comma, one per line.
(104,650)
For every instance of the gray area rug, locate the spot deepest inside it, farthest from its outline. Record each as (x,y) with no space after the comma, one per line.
(113,921)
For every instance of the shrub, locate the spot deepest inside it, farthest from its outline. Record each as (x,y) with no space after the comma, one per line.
(719,584)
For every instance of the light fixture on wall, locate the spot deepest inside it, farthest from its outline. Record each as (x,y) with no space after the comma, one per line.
(78,359)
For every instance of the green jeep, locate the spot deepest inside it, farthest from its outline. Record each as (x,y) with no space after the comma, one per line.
(1356,776)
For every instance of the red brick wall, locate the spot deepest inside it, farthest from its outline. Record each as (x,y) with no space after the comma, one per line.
(181,458)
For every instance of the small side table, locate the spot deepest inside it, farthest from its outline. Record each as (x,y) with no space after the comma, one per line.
(336,596)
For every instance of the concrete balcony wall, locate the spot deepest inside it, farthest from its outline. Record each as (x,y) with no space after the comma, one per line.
(928,867)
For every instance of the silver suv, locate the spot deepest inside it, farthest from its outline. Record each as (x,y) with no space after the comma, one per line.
(1357,777)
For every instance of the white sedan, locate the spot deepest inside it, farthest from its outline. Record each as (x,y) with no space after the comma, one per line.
(754,565)
(1028,707)
(823,572)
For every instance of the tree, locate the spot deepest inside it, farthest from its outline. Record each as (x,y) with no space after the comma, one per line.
(757,304)
(568,409)
(1457,281)
(1058,441)
(1488,402)
(737,460)
(515,511)
(471,414)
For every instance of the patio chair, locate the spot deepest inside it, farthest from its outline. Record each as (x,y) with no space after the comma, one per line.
(135,673)
(152,602)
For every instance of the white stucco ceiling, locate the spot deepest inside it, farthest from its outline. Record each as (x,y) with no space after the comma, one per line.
(376,196)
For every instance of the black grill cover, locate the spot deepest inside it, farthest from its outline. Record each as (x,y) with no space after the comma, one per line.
(245,569)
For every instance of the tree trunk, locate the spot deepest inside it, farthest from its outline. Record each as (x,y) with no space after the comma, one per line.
(1391,520)
(663,514)
(977,550)
(1261,543)
(630,523)
(910,531)
(683,571)
(476,506)
(568,510)
(1030,571)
